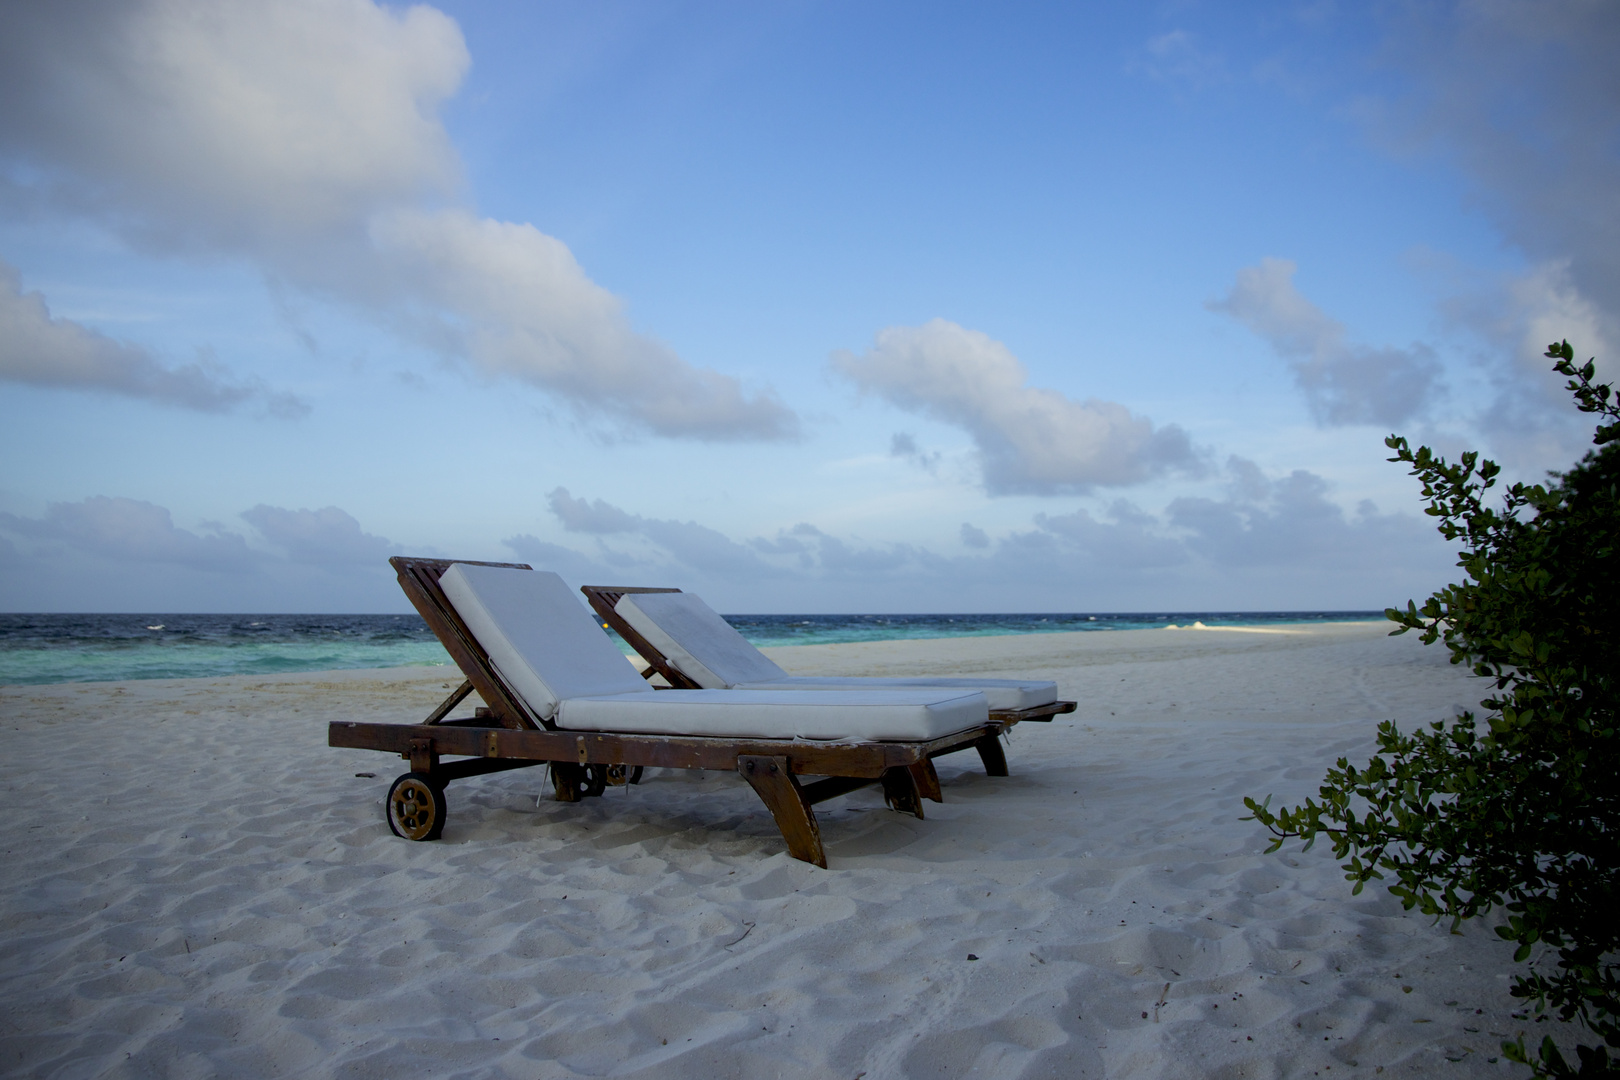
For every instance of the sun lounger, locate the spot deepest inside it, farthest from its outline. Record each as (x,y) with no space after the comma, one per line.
(559,693)
(690,645)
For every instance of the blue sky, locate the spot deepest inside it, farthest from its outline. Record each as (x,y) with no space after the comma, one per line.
(803,306)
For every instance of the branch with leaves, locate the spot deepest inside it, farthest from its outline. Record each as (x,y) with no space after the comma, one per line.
(1519,809)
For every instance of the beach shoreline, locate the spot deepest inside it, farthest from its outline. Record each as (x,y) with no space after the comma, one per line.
(199,885)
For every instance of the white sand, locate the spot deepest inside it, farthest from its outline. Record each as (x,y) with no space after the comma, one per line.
(196,885)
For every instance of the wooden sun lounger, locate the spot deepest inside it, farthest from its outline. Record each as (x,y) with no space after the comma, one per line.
(604,600)
(501,736)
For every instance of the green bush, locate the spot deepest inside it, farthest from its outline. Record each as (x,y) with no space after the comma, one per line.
(1517,809)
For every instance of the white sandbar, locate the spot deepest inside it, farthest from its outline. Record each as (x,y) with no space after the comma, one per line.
(196,885)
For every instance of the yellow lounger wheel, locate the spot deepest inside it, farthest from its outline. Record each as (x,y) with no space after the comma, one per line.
(416,807)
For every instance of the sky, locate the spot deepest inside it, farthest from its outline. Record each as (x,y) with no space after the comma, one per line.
(803,306)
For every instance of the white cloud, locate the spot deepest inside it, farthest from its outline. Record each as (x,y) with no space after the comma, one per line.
(529,312)
(1030,440)
(1343,383)
(327,536)
(305,137)
(41,350)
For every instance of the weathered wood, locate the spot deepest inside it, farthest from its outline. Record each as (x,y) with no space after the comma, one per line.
(819,791)
(900,791)
(567,780)
(460,770)
(1042,713)
(778,788)
(990,752)
(926,779)
(422,756)
(419,578)
(671,752)
(602,599)
(455,698)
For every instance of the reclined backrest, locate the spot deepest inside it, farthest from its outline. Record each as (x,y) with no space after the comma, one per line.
(545,645)
(696,640)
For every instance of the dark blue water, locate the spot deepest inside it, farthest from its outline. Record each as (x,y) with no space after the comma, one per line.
(37,649)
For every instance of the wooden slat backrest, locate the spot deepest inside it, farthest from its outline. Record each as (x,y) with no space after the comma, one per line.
(603,598)
(420,580)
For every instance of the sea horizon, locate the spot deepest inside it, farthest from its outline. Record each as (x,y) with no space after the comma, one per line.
(42,648)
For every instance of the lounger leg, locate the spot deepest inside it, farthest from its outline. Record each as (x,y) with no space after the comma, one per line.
(566,779)
(926,779)
(900,791)
(773,779)
(995,761)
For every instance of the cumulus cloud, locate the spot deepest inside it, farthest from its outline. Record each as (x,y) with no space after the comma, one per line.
(328,536)
(1344,383)
(1030,440)
(974,537)
(306,137)
(131,531)
(42,350)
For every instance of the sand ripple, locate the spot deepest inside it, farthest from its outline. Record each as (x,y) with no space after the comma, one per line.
(197,886)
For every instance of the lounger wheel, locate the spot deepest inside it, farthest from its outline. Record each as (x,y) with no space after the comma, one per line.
(416,808)
(595,781)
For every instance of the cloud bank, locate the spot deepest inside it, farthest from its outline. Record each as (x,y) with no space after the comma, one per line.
(1030,440)
(328,536)
(305,138)
(1343,383)
(130,531)
(1255,542)
(113,553)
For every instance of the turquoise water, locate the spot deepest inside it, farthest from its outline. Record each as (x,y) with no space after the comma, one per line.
(38,649)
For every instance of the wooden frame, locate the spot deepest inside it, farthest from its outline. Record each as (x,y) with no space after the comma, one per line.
(605,598)
(502,735)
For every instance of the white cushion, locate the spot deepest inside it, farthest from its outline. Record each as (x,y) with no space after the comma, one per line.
(696,640)
(1000,693)
(543,642)
(863,715)
(708,650)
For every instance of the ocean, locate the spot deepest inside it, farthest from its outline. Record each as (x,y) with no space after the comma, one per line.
(39,649)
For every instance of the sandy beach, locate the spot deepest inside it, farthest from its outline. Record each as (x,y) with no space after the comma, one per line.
(196,885)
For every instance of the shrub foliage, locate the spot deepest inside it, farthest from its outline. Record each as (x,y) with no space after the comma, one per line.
(1518,808)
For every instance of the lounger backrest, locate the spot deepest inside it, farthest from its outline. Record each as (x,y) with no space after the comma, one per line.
(542,642)
(696,640)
